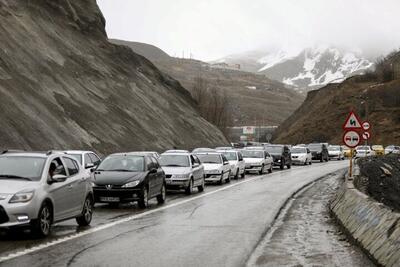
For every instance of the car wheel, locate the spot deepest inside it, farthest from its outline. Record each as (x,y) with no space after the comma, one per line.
(87,213)
(243,175)
(42,225)
(289,166)
(163,195)
(321,160)
(237,175)
(201,187)
(270,169)
(306,162)
(310,163)
(144,199)
(262,170)
(221,181)
(189,189)
(228,180)
(282,165)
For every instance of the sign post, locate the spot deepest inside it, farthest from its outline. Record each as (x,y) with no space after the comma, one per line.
(351,137)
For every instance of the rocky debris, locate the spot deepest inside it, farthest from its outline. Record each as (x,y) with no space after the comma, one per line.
(383,179)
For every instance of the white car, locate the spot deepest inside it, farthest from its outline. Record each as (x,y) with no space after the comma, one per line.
(301,155)
(235,158)
(336,152)
(216,167)
(87,159)
(392,150)
(150,153)
(182,171)
(364,151)
(258,161)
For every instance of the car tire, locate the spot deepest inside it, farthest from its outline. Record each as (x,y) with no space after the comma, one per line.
(189,188)
(237,175)
(163,195)
(310,163)
(201,187)
(87,213)
(289,166)
(282,164)
(243,175)
(144,198)
(228,180)
(221,181)
(41,227)
(261,172)
(270,169)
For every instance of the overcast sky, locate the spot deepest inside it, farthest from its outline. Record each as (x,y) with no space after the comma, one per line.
(211,29)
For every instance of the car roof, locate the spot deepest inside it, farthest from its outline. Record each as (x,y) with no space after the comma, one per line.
(177,153)
(208,153)
(228,150)
(129,154)
(77,151)
(42,154)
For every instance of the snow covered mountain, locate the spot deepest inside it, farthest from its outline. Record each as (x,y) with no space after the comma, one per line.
(306,68)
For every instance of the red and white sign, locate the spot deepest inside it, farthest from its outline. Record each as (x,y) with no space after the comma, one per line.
(366,125)
(351,139)
(352,122)
(249,130)
(366,135)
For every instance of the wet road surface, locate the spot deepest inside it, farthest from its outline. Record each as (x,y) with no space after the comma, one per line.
(220,227)
(306,235)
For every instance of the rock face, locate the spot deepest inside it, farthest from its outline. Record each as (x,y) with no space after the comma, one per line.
(64,86)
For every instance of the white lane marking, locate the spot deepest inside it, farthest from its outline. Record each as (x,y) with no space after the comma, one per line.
(127,219)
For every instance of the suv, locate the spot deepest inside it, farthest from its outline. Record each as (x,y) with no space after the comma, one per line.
(216,167)
(182,171)
(319,151)
(336,152)
(235,158)
(281,155)
(257,161)
(40,189)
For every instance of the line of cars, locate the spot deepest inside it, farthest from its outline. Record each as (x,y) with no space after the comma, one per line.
(38,189)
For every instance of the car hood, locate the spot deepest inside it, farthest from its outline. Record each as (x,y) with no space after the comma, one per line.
(12,186)
(299,154)
(276,154)
(177,170)
(253,160)
(210,166)
(233,162)
(117,178)
(334,152)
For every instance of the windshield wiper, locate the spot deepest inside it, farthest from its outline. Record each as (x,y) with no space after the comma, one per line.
(120,170)
(9,176)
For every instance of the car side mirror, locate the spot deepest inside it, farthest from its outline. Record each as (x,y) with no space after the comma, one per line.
(195,165)
(226,163)
(58,178)
(89,166)
(152,171)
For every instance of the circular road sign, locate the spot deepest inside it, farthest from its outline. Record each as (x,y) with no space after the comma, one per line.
(366,135)
(366,125)
(351,139)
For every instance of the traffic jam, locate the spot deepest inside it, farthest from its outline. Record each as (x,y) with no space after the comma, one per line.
(40,189)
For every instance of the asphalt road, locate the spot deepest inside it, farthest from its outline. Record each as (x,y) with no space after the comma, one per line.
(220,227)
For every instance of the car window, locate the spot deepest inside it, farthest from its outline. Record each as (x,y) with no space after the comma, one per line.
(87,159)
(95,159)
(267,154)
(155,162)
(224,159)
(71,166)
(192,160)
(240,156)
(60,169)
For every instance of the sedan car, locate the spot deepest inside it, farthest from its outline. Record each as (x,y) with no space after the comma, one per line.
(281,155)
(379,150)
(258,161)
(364,151)
(129,177)
(392,149)
(319,151)
(183,171)
(40,189)
(87,159)
(336,152)
(301,155)
(235,158)
(346,151)
(216,167)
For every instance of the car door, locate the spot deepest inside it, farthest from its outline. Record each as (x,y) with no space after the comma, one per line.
(160,176)
(309,155)
(195,170)
(242,165)
(78,184)
(200,168)
(226,166)
(60,192)
(152,176)
(268,159)
(95,159)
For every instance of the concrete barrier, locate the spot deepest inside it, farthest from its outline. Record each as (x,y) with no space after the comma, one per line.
(371,224)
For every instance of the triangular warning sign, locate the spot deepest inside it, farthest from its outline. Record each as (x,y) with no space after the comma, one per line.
(352,122)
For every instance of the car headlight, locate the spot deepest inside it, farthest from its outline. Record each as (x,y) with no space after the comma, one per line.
(131,184)
(22,197)
(181,176)
(3,196)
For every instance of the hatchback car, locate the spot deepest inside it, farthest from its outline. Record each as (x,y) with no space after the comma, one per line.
(129,177)
(336,152)
(87,159)
(258,161)
(364,151)
(235,158)
(319,151)
(216,167)
(301,155)
(379,150)
(183,171)
(281,155)
(392,149)
(40,189)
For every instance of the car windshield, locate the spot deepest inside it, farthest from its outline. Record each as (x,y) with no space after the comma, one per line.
(174,161)
(334,148)
(230,155)
(363,148)
(252,154)
(78,157)
(210,158)
(315,147)
(24,168)
(274,149)
(299,150)
(122,163)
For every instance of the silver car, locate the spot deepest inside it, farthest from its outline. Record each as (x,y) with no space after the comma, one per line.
(39,189)
(183,171)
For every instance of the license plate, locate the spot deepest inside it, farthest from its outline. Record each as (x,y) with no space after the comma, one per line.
(109,199)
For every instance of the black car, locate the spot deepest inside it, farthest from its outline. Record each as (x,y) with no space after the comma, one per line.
(123,178)
(319,151)
(281,155)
